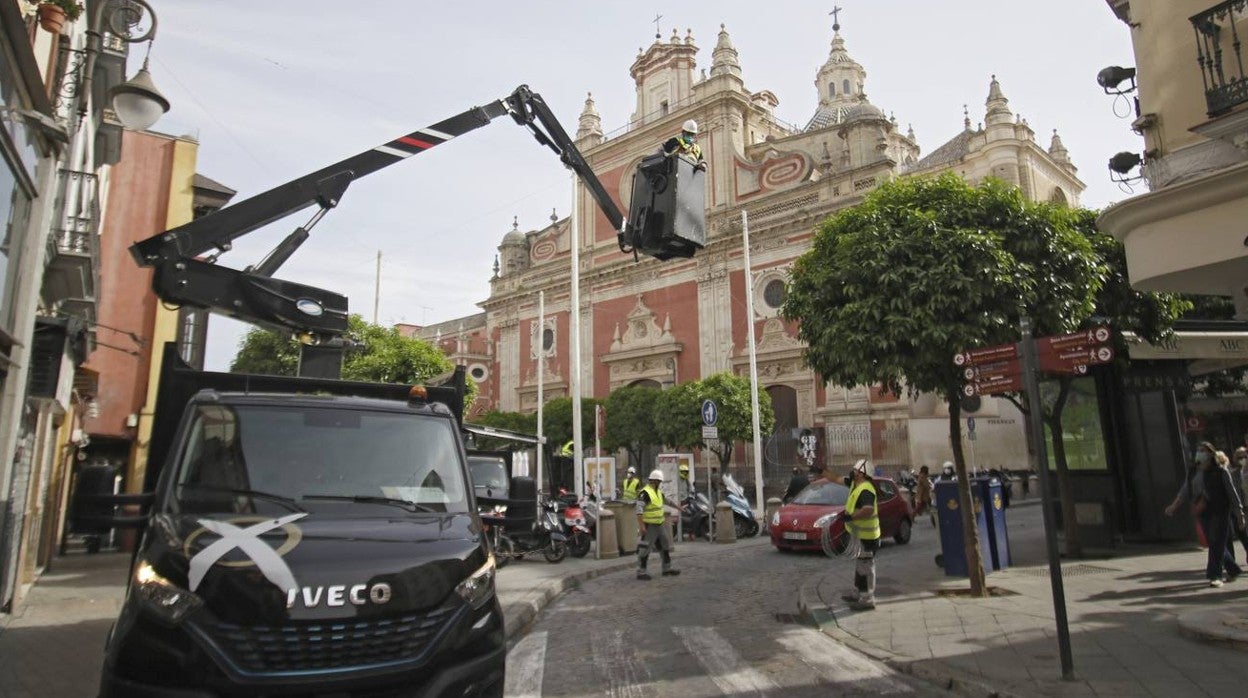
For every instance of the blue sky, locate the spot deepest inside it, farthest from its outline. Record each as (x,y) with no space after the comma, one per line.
(275,90)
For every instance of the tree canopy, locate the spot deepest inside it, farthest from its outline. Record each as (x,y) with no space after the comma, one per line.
(383,355)
(678,414)
(557,421)
(927,267)
(630,420)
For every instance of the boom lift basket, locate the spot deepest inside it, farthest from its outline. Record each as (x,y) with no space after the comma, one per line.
(668,208)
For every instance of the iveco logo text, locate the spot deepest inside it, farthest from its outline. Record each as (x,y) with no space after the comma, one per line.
(339,595)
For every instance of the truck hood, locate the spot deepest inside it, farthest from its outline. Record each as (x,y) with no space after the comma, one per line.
(305,566)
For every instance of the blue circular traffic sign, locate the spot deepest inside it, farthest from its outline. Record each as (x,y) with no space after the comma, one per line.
(710,412)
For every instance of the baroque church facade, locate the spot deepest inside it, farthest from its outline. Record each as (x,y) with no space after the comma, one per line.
(664,323)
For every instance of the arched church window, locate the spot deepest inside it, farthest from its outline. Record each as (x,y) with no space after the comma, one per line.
(832,89)
(845,87)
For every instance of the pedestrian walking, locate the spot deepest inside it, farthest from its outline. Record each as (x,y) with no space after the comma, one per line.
(1237,468)
(863,523)
(1026,478)
(650,523)
(1215,503)
(797,483)
(923,495)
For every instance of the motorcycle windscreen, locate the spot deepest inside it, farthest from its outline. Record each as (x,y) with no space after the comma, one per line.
(668,208)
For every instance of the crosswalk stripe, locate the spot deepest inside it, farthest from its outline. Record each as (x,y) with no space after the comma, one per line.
(526,665)
(624,673)
(722,663)
(840,665)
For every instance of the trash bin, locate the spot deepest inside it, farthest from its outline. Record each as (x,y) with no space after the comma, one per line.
(625,526)
(953,553)
(988,490)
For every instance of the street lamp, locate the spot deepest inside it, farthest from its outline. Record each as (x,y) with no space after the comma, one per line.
(137,102)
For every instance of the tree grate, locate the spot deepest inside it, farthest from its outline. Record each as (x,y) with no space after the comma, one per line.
(1067,570)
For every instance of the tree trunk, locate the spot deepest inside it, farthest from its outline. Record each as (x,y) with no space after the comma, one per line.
(1065,486)
(970,531)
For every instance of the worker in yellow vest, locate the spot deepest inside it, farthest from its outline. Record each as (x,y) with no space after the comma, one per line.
(632,485)
(653,534)
(864,523)
(686,144)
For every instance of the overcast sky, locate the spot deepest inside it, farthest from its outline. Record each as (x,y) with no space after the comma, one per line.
(274,90)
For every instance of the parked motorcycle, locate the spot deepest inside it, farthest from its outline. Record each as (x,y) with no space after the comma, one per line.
(524,527)
(742,515)
(695,515)
(575,524)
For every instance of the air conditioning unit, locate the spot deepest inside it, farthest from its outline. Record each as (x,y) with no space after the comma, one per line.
(132,420)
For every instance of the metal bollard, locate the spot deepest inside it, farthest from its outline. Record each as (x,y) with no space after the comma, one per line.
(725,531)
(773,505)
(607,546)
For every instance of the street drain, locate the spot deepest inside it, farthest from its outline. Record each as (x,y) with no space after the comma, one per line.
(791,619)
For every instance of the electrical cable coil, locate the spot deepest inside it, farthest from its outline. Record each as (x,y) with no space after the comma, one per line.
(840,545)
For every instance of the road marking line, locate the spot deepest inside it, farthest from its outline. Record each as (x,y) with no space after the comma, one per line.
(839,664)
(722,663)
(526,665)
(625,675)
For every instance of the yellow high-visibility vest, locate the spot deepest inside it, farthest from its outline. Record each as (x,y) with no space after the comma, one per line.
(868,528)
(653,513)
(631,485)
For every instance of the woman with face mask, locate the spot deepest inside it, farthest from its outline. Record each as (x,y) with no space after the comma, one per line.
(1215,503)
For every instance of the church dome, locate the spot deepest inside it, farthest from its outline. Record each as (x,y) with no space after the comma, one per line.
(514,236)
(863,110)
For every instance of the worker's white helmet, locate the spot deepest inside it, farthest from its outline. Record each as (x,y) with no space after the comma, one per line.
(631,470)
(690,126)
(656,474)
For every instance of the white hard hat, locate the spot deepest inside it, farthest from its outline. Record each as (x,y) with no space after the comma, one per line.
(948,465)
(631,470)
(690,126)
(863,466)
(656,474)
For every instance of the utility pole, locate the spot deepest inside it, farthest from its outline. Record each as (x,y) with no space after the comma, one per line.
(749,328)
(574,345)
(377,289)
(541,381)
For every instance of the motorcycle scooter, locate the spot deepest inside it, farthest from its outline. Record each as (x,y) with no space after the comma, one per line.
(743,519)
(523,527)
(695,515)
(576,523)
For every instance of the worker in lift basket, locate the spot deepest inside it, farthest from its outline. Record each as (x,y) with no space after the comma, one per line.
(686,144)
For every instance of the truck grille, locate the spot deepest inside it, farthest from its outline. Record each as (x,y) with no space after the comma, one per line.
(337,645)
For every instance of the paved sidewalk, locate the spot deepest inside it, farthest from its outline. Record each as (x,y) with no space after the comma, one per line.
(52,644)
(1125,609)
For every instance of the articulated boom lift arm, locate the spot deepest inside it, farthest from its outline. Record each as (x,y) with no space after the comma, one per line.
(184,257)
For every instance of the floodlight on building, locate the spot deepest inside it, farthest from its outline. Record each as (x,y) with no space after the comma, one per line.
(1112,77)
(1122,164)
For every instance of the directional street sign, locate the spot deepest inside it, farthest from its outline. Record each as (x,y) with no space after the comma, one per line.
(1067,361)
(1084,338)
(1002,384)
(987,355)
(710,433)
(710,412)
(986,371)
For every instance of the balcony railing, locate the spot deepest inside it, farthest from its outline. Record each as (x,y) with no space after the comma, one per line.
(1218,52)
(80,212)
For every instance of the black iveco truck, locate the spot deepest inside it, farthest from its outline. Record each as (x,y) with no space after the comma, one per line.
(307,537)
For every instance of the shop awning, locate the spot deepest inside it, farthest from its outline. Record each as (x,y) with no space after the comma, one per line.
(1207,351)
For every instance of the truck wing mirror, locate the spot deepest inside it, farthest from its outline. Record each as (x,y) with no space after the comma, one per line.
(102,509)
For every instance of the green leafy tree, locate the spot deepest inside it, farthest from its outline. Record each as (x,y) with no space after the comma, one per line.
(267,353)
(511,421)
(557,421)
(382,355)
(630,420)
(679,414)
(925,268)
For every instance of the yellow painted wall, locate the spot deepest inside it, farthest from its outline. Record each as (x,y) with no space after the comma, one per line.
(165,326)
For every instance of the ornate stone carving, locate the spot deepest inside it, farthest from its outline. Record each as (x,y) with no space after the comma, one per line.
(641,329)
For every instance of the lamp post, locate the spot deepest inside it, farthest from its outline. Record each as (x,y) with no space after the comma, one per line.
(137,102)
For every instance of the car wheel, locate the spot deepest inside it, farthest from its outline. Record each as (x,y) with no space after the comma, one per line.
(903,532)
(753,529)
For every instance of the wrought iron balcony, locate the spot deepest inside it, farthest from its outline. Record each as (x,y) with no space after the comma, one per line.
(1219,55)
(74,263)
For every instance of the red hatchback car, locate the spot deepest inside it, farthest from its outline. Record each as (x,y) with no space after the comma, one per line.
(798,524)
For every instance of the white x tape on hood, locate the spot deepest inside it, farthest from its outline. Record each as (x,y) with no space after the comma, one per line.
(247,540)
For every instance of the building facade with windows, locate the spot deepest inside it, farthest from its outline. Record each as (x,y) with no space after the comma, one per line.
(664,323)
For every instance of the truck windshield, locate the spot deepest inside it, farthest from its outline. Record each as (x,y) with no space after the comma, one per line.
(241,458)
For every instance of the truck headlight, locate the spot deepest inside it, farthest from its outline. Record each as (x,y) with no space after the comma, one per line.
(479,586)
(169,602)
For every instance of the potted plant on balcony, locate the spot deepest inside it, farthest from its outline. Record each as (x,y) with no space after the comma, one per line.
(54,13)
